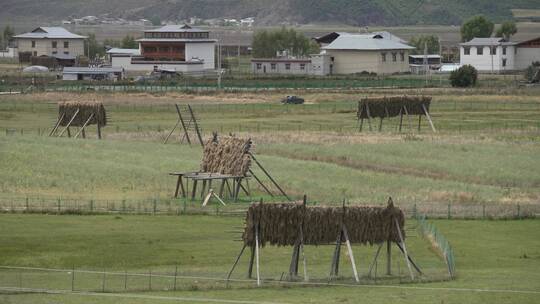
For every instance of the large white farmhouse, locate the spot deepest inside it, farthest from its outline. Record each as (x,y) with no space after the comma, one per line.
(499,55)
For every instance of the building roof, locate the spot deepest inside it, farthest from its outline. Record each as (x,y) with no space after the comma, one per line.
(119,51)
(487,42)
(365,42)
(174,40)
(50,33)
(94,70)
(177,29)
(330,37)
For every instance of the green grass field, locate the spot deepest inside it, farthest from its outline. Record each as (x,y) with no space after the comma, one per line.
(484,156)
(499,255)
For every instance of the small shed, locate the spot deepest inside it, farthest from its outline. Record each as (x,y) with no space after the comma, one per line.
(93,73)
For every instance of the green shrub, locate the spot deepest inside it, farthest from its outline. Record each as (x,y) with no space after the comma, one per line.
(465,76)
(531,73)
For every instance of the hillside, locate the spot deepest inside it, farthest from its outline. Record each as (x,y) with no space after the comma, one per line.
(352,12)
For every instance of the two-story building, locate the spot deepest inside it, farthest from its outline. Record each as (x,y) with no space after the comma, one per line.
(178,48)
(51,41)
(499,55)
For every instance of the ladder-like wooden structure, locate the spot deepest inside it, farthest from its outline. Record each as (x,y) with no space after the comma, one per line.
(190,125)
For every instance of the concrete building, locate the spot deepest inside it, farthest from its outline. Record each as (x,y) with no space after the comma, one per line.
(357,53)
(420,64)
(172,47)
(51,41)
(499,55)
(288,66)
(87,73)
(10,52)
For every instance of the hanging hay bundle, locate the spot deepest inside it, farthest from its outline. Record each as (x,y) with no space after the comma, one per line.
(93,112)
(392,106)
(229,155)
(280,224)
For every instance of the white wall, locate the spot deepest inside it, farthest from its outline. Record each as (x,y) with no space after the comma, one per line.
(525,56)
(280,68)
(44,46)
(204,51)
(487,62)
(9,53)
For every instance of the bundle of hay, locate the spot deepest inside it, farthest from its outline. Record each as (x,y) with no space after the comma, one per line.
(66,110)
(229,155)
(280,224)
(392,106)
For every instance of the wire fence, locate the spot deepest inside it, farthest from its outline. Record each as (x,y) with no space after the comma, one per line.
(170,206)
(440,243)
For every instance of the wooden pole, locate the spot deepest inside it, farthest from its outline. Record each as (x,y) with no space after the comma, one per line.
(170,133)
(235,262)
(57,124)
(98,129)
(419,122)
(400,118)
(404,248)
(83,126)
(196,126)
(69,123)
(375,259)
(69,132)
(186,134)
(251,260)
(388,258)
(269,176)
(257,254)
(260,183)
(304,202)
(416,267)
(351,255)
(408,117)
(429,118)
(369,116)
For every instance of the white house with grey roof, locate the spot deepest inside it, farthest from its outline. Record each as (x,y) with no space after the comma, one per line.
(357,53)
(51,41)
(499,55)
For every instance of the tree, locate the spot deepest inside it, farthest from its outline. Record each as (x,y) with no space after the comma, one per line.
(111,43)
(129,43)
(507,29)
(92,48)
(267,43)
(476,27)
(155,20)
(465,76)
(420,41)
(8,34)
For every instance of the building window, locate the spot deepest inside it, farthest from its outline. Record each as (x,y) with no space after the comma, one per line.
(259,66)
(273,66)
(504,62)
(493,50)
(383,57)
(504,50)
(287,66)
(394,57)
(66,44)
(466,50)
(302,66)
(35,53)
(66,53)
(33,44)
(402,55)
(54,44)
(479,50)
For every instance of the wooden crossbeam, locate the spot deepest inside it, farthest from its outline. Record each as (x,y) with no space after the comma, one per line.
(84,126)
(69,123)
(57,124)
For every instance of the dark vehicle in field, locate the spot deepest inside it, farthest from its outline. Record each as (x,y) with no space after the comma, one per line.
(292,100)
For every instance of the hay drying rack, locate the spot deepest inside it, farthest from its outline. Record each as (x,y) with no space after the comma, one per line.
(342,237)
(78,114)
(393,106)
(191,126)
(232,183)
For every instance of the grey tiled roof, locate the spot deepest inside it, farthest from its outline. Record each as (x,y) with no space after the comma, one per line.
(487,42)
(51,33)
(365,42)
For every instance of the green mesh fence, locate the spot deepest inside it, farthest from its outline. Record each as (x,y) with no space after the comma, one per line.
(430,232)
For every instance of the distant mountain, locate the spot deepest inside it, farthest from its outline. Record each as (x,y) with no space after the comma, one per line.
(272,12)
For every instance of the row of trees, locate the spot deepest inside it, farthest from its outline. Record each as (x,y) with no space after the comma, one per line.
(481,27)
(94,48)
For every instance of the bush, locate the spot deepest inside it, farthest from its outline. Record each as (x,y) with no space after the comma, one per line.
(465,76)
(531,73)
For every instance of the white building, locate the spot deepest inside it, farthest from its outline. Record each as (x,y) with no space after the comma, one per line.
(88,73)
(498,55)
(10,52)
(172,47)
(289,66)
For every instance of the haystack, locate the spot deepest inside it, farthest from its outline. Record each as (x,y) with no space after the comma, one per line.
(228,155)
(95,111)
(280,224)
(393,106)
